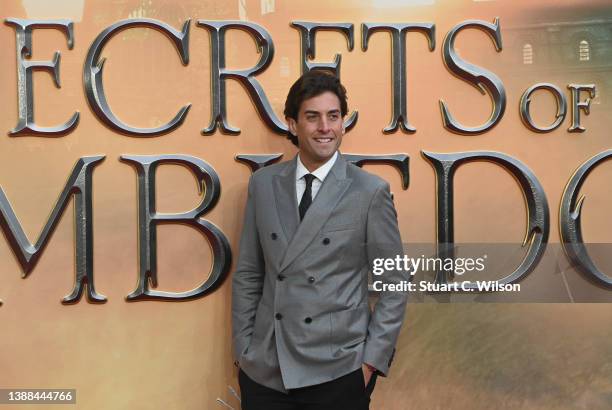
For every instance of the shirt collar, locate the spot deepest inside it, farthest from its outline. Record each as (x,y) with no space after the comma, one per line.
(320,173)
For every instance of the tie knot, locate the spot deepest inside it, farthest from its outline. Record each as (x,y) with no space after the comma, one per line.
(309,178)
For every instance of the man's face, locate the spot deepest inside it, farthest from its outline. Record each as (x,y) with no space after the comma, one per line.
(318,128)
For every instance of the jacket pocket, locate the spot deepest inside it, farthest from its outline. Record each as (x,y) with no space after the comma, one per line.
(350,326)
(262,319)
(336,228)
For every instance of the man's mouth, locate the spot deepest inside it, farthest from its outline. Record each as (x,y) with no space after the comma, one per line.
(323,140)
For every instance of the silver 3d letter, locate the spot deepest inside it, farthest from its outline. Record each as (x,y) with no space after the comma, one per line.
(308,33)
(94,85)
(485,81)
(398,62)
(569,221)
(80,185)
(25,67)
(149,218)
(219,74)
(538,226)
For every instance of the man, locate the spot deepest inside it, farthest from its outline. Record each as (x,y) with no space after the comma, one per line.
(303,333)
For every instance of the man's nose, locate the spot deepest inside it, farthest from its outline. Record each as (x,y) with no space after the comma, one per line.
(323,125)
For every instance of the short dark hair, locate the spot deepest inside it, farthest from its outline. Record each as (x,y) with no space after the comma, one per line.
(311,84)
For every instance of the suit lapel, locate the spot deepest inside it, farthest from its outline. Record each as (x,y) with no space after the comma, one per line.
(286,200)
(330,193)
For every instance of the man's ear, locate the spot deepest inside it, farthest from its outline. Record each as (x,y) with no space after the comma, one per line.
(292,125)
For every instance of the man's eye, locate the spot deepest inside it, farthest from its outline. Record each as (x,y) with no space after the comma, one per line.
(334,117)
(311,117)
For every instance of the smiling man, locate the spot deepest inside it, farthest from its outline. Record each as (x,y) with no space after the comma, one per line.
(304,335)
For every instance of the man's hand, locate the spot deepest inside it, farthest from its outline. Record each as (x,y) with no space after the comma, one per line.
(368,371)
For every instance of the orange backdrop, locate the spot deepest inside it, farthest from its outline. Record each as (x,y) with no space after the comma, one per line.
(166,355)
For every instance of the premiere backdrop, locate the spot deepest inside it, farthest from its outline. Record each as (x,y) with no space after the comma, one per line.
(154,354)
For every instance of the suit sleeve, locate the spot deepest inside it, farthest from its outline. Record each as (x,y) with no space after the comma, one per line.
(247,281)
(383,241)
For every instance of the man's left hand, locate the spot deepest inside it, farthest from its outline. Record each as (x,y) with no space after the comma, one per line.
(368,371)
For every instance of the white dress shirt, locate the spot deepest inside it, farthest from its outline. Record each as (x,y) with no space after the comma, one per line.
(320,174)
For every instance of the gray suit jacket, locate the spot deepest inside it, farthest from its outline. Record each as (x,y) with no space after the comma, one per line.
(299,292)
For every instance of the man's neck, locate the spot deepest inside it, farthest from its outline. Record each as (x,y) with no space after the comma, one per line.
(313,166)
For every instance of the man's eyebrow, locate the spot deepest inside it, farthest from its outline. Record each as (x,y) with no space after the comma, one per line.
(334,111)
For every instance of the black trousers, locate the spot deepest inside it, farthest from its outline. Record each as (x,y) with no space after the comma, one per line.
(344,393)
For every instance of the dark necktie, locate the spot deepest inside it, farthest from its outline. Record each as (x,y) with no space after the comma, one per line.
(307,197)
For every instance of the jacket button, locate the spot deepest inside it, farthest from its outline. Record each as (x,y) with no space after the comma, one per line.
(280,277)
(273,235)
(278,316)
(326,241)
(308,320)
(311,279)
